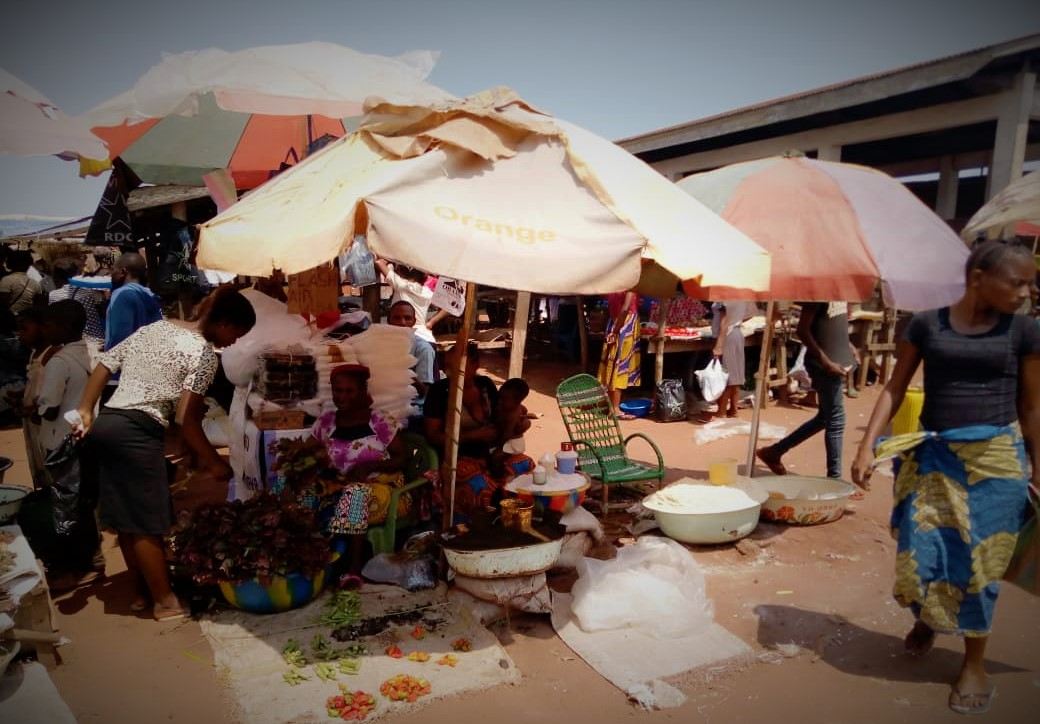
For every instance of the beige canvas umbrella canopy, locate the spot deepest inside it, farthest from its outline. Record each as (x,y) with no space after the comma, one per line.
(30,125)
(488,190)
(1017,203)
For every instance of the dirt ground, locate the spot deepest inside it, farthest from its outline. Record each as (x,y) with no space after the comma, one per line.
(824,588)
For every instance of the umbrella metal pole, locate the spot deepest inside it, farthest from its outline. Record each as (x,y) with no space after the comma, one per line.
(453,422)
(761,380)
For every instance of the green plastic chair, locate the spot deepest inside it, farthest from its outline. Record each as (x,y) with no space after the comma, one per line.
(421,459)
(596,435)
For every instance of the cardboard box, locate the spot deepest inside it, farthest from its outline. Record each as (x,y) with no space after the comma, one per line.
(279,419)
(256,472)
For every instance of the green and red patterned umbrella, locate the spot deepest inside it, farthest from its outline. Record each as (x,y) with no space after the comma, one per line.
(249,112)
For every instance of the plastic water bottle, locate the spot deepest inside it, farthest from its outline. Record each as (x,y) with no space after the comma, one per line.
(566,459)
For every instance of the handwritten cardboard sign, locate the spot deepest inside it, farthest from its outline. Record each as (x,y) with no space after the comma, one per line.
(314,291)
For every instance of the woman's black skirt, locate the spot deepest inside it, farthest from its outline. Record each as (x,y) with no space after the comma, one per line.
(134,488)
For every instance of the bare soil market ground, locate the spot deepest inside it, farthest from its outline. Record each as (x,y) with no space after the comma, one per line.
(824,588)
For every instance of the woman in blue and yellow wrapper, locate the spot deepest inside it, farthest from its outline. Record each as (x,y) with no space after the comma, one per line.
(961,483)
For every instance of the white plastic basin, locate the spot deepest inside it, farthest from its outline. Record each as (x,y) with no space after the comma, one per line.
(712,527)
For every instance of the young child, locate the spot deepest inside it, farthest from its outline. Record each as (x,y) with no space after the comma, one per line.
(511,420)
(64,378)
(30,333)
(511,417)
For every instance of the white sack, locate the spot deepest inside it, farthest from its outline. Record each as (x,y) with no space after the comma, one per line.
(524,593)
(654,586)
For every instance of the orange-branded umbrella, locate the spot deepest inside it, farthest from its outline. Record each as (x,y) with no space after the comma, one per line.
(487,190)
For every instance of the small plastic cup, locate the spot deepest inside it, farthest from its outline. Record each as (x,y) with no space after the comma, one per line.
(722,471)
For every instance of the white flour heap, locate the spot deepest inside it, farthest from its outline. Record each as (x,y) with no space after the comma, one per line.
(691,498)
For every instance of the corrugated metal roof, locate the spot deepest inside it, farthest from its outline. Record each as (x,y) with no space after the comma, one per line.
(147,197)
(46,230)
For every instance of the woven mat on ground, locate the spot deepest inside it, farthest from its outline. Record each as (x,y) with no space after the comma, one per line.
(633,661)
(247,650)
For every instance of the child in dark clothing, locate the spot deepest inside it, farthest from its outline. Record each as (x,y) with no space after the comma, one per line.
(511,420)
(64,378)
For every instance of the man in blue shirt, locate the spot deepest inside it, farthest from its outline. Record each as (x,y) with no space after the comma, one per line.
(402,314)
(133,304)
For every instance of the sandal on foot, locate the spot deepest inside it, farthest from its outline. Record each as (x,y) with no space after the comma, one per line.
(920,639)
(624,416)
(170,614)
(986,699)
(140,603)
(772,462)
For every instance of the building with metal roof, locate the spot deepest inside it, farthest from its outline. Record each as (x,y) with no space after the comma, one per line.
(960,127)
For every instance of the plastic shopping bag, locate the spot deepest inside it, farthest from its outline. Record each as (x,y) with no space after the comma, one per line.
(653,586)
(798,374)
(669,401)
(359,263)
(712,380)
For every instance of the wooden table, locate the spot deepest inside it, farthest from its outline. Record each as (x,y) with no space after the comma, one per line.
(34,616)
(876,333)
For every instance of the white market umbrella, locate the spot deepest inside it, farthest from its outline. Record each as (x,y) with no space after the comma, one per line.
(836,231)
(487,190)
(248,111)
(1018,203)
(30,125)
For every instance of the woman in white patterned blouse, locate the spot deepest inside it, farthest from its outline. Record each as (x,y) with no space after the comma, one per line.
(165,371)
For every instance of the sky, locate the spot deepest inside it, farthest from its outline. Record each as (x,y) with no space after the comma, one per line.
(617,67)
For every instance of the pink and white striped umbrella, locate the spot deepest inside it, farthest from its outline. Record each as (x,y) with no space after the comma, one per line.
(833,231)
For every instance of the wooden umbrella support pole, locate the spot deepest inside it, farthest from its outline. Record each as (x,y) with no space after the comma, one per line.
(761,385)
(453,423)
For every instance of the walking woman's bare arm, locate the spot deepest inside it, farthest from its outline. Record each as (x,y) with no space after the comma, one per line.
(908,357)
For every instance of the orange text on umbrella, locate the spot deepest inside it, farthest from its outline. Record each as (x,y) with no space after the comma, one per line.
(525,234)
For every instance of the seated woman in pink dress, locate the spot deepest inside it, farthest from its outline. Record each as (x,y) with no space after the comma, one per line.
(366,458)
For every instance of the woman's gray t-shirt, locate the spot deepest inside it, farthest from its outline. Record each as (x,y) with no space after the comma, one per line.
(971,379)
